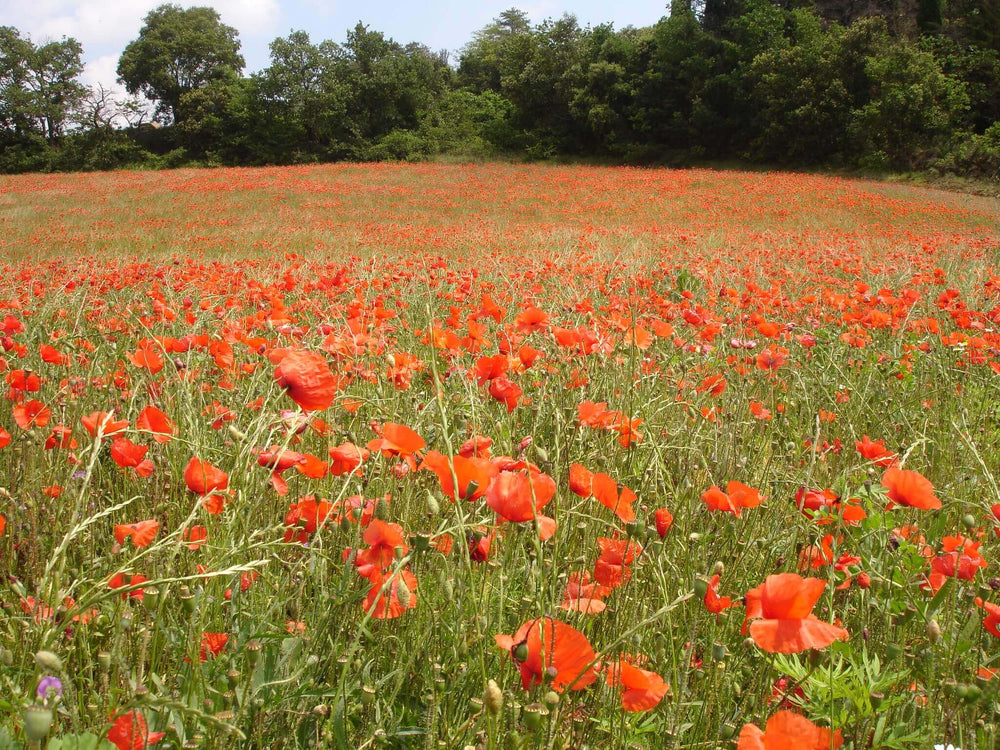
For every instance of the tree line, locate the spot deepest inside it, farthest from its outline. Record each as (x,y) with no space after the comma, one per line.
(871,84)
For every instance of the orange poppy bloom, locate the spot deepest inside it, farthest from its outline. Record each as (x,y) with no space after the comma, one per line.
(713,602)
(519,493)
(473,474)
(643,689)
(159,424)
(32,414)
(105,421)
(736,497)
(202,478)
(547,643)
(130,732)
(787,729)
(909,488)
(307,378)
(781,614)
(384,601)
(581,595)
(142,533)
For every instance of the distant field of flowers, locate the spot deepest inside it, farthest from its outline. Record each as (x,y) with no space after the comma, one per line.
(378,456)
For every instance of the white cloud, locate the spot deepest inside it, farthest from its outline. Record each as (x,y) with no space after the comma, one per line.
(114,23)
(102,71)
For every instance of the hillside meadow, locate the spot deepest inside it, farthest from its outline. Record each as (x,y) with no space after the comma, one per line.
(440,456)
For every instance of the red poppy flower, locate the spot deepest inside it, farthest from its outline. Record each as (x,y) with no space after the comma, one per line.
(788,730)
(130,732)
(305,516)
(713,602)
(204,479)
(545,643)
(612,566)
(781,614)
(382,539)
(992,621)
(664,520)
(582,595)
(643,689)
(159,424)
(518,495)
(473,474)
(736,497)
(119,580)
(307,378)
(142,533)
(195,537)
(128,455)
(212,645)
(346,458)
(875,451)
(107,423)
(32,414)
(909,488)
(390,596)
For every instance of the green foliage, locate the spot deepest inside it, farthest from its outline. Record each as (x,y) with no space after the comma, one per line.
(178,51)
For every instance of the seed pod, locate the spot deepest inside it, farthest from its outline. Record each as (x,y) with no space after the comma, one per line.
(37,722)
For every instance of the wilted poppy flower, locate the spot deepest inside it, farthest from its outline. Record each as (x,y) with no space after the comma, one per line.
(545,643)
(643,689)
(909,488)
(780,615)
(308,380)
(787,729)
(130,732)
(142,533)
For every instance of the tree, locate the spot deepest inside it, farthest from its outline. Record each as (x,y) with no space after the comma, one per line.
(39,90)
(178,51)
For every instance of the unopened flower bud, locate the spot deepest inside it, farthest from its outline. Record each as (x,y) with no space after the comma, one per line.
(493,697)
(48,661)
(933,631)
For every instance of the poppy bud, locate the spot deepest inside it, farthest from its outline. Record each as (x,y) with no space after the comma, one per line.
(37,722)
(493,698)
(551,673)
(864,580)
(719,568)
(933,631)
(551,698)
(403,592)
(6,657)
(48,661)
(969,521)
(433,507)
(520,652)
(700,587)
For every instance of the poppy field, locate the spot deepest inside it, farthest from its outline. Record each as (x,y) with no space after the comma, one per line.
(441,456)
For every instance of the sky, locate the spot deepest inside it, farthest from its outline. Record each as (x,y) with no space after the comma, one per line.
(105,27)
